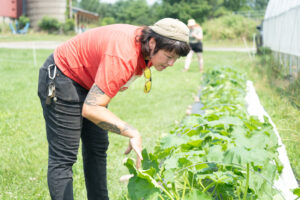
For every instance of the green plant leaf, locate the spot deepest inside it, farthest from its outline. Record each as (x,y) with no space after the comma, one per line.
(197,195)
(296,192)
(142,185)
(149,160)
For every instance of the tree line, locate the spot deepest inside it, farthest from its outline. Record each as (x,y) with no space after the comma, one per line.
(138,12)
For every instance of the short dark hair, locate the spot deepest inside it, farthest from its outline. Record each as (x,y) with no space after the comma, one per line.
(162,43)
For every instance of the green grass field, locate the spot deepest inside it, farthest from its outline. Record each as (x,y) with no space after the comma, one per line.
(9,37)
(23,151)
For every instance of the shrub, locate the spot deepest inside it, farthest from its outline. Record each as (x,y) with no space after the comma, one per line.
(49,24)
(23,21)
(68,26)
(229,27)
(107,20)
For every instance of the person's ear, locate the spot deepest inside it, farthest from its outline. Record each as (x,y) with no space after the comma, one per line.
(152,43)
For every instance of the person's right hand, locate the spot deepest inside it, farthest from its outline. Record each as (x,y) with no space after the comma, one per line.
(135,143)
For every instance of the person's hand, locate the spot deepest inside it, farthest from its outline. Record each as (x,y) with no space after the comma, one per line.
(135,143)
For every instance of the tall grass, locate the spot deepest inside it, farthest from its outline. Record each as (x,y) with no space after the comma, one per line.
(281,99)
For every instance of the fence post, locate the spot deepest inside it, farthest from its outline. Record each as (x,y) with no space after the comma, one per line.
(34,54)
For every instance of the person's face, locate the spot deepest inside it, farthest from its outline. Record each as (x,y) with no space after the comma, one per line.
(162,59)
(191,27)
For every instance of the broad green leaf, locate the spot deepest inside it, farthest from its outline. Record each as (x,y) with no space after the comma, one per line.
(149,160)
(142,189)
(142,185)
(215,154)
(196,195)
(173,141)
(296,192)
(226,121)
(171,162)
(169,175)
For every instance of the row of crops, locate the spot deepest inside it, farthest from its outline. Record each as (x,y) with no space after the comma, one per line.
(222,154)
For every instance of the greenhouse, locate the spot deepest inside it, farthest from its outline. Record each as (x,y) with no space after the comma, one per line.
(281,30)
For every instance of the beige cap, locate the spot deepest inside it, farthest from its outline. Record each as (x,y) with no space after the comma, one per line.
(172,28)
(191,22)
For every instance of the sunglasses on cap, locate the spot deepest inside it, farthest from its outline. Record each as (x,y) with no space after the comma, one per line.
(148,83)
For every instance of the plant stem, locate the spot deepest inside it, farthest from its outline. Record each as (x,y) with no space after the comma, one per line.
(175,191)
(209,186)
(161,197)
(167,193)
(184,187)
(200,182)
(247,182)
(163,189)
(215,189)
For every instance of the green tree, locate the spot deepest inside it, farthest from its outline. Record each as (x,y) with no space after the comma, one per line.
(236,5)
(200,10)
(90,5)
(259,4)
(132,12)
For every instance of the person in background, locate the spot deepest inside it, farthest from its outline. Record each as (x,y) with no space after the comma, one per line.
(76,84)
(195,42)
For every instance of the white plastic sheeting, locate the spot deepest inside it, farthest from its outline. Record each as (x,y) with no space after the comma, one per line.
(287,180)
(281,26)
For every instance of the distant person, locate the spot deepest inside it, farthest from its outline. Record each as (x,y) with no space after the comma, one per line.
(259,38)
(81,29)
(78,81)
(195,42)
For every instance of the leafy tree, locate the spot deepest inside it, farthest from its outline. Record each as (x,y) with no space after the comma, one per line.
(132,12)
(183,10)
(107,21)
(105,10)
(260,4)
(235,5)
(138,12)
(90,5)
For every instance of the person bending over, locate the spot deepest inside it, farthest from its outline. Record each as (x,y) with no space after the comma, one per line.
(76,84)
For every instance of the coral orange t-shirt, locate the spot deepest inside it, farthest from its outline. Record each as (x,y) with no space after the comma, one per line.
(108,56)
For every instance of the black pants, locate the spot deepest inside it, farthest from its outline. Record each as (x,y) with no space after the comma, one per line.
(197,47)
(65,126)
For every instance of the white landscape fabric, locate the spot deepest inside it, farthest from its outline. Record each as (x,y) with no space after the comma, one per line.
(281,26)
(287,180)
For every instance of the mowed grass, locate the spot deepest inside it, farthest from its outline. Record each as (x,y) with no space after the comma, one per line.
(33,36)
(23,151)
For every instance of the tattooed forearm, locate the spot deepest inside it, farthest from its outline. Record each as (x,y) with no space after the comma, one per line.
(113,128)
(109,127)
(127,127)
(91,98)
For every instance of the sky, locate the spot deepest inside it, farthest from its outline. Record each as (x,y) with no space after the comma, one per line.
(150,2)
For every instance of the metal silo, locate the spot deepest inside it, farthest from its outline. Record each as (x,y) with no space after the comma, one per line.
(37,9)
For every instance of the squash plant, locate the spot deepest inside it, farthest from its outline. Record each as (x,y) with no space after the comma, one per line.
(222,154)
